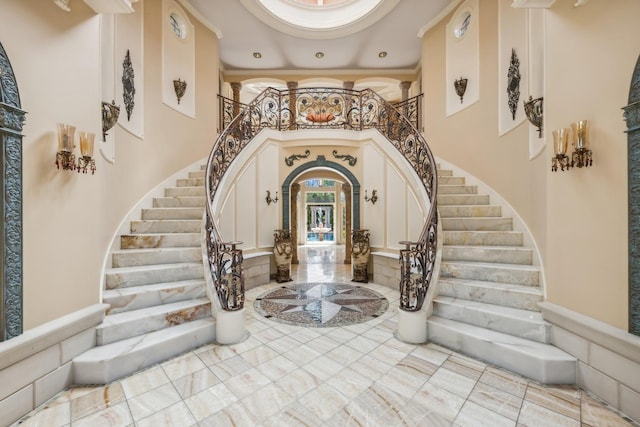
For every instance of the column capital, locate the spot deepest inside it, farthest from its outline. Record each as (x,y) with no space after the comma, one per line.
(292,85)
(348,85)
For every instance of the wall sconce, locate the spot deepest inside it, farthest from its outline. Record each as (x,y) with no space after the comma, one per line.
(533,110)
(64,157)
(85,161)
(581,155)
(374,196)
(461,87)
(110,114)
(179,86)
(560,137)
(269,199)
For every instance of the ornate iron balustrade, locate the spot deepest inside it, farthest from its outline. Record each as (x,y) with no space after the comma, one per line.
(316,108)
(227,110)
(412,110)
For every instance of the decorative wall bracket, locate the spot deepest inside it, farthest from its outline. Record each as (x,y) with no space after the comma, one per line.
(180,86)
(128,88)
(110,114)
(513,83)
(533,110)
(292,158)
(374,196)
(460,86)
(345,157)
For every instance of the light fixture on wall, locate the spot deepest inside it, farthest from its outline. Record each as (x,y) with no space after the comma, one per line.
(65,158)
(533,110)
(110,114)
(180,86)
(269,199)
(560,158)
(460,86)
(63,4)
(374,196)
(581,156)
(85,161)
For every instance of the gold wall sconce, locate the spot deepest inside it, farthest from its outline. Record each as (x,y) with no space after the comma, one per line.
(268,198)
(460,86)
(374,196)
(180,86)
(65,159)
(581,156)
(110,114)
(533,110)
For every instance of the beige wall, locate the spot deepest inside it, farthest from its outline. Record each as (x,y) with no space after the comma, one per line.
(70,219)
(578,218)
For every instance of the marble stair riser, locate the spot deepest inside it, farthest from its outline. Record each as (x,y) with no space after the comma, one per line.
(121,326)
(482,238)
(543,363)
(138,257)
(457,189)
(462,199)
(444,172)
(167,240)
(477,224)
(502,255)
(520,323)
(190,182)
(167,226)
(450,180)
(184,192)
(500,273)
(179,202)
(139,276)
(104,364)
(468,211)
(197,174)
(515,296)
(128,299)
(171,213)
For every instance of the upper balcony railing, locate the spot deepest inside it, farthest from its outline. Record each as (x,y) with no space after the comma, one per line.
(322,108)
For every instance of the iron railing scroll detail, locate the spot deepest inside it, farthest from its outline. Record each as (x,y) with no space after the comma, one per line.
(323,108)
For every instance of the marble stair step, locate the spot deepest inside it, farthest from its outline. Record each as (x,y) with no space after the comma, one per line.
(127,277)
(184,191)
(444,172)
(462,199)
(190,182)
(468,211)
(197,174)
(121,326)
(172,213)
(137,297)
(104,364)
(457,189)
(506,295)
(451,180)
(483,238)
(499,254)
(526,275)
(477,224)
(512,321)
(177,202)
(541,362)
(137,257)
(159,240)
(167,226)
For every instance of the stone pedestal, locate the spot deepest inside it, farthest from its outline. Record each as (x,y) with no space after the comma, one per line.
(282,251)
(412,326)
(230,327)
(360,250)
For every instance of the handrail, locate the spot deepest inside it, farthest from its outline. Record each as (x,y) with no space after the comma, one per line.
(315,108)
(412,110)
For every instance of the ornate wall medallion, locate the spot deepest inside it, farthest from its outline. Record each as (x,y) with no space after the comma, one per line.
(128,88)
(346,157)
(513,83)
(292,158)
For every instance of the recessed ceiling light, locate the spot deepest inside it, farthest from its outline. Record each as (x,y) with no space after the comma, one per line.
(319,55)
(382,54)
(257,55)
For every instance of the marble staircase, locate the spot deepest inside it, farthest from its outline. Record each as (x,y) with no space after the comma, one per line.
(489,288)
(156,289)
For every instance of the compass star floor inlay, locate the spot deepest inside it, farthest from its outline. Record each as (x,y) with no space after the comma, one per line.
(321,304)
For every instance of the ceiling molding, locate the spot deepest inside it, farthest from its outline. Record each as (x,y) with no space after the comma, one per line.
(321,72)
(204,21)
(438,18)
(540,4)
(111,6)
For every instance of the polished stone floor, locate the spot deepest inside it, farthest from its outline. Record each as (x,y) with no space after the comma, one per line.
(355,375)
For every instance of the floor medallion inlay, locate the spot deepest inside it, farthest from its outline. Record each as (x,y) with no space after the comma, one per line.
(321,304)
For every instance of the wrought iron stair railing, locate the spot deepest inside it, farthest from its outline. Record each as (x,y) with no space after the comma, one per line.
(322,108)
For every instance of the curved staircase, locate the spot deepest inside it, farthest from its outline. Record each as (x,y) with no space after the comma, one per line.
(489,288)
(156,289)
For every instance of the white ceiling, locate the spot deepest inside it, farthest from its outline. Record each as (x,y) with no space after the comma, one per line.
(243,33)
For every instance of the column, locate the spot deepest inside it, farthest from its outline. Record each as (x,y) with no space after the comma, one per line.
(292,86)
(404,87)
(295,190)
(348,99)
(347,244)
(235,87)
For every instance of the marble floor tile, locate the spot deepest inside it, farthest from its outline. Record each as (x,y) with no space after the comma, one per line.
(370,367)
(323,367)
(277,367)
(267,401)
(298,382)
(114,416)
(234,415)
(302,355)
(231,367)
(350,383)
(402,382)
(466,366)
(438,400)
(153,401)
(343,355)
(324,401)
(99,399)
(474,415)
(247,383)
(210,401)
(322,344)
(143,381)
(293,415)
(501,402)
(196,382)
(452,382)
(564,400)
(432,356)
(532,415)
(53,414)
(212,354)
(504,380)
(175,415)
(595,414)
(259,355)
(183,365)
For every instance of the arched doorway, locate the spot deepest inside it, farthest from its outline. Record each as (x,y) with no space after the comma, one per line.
(322,211)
